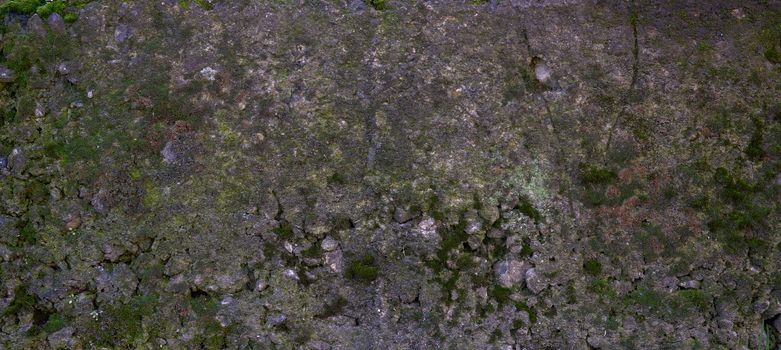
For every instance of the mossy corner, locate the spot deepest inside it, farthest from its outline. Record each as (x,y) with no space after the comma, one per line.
(364,269)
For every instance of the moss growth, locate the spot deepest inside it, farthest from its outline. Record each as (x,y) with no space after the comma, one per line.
(284,230)
(773,55)
(496,335)
(465,261)
(378,5)
(215,336)
(500,294)
(23,300)
(602,287)
(363,269)
(204,4)
(595,180)
(121,326)
(526,207)
(452,238)
(517,324)
(754,150)
(613,322)
(647,298)
(694,298)
(44,8)
(595,197)
(592,267)
(333,308)
(519,305)
(595,175)
(652,240)
(71,17)
(203,304)
(734,188)
(738,216)
(76,149)
(54,323)
(20,6)
(571,293)
(312,252)
(25,106)
(50,7)
(27,232)
(526,250)
(449,286)
(676,305)
(341,222)
(152,195)
(337,178)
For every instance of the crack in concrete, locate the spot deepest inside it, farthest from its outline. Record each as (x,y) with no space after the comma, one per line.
(632,85)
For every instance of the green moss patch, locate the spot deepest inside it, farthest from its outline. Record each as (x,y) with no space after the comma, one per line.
(592,267)
(596,175)
(284,230)
(122,325)
(526,207)
(53,324)
(364,269)
(44,8)
(23,300)
(378,5)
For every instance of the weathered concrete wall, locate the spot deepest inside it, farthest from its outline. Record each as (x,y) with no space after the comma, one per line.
(390,174)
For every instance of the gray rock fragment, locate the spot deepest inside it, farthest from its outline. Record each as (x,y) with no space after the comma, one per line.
(761,306)
(275,319)
(121,33)
(261,284)
(68,67)
(690,284)
(231,281)
(112,252)
(329,244)
(56,23)
(510,272)
(116,284)
(177,284)
(335,261)
(169,157)
(100,201)
(62,339)
(535,282)
(6,75)
(402,215)
(357,5)
(17,162)
(35,25)
(290,273)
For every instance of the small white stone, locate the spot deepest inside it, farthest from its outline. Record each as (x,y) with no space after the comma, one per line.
(291,274)
(208,73)
(40,111)
(168,153)
(329,244)
(428,228)
(261,285)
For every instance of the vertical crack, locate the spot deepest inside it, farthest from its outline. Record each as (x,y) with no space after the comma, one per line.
(372,135)
(632,84)
(560,156)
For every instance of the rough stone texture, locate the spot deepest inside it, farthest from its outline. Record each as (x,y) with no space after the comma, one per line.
(391,174)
